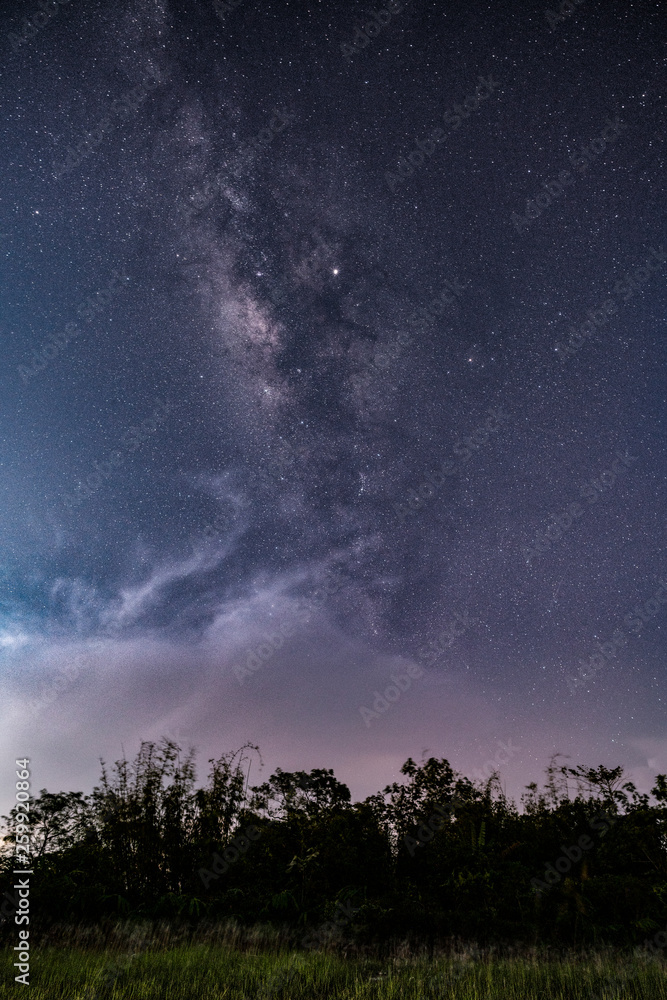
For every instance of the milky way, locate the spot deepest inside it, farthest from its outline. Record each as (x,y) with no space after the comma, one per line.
(334,385)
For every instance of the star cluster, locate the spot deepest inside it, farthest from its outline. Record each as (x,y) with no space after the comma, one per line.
(283,306)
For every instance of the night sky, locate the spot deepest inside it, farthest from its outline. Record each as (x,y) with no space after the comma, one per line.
(333,385)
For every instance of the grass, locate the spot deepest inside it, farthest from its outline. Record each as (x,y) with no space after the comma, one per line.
(140,965)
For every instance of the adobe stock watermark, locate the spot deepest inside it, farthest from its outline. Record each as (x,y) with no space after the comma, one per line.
(407,165)
(436,647)
(402,682)
(273,289)
(596,487)
(113,972)
(566,9)
(216,529)
(634,620)
(382,702)
(319,262)
(180,734)
(580,161)
(128,104)
(223,8)
(328,929)
(642,614)
(313,266)
(31,26)
(132,439)
(371,29)
(652,946)
(56,343)
(503,755)
(66,676)
(261,654)
(387,352)
(22,866)
(625,288)
(591,491)
(280,462)
(321,935)
(279,981)
(440,304)
(553,873)
(201,197)
(440,984)
(237,846)
(463,450)
(68,673)
(427,830)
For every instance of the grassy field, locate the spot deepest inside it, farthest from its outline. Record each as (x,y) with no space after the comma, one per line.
(145,968)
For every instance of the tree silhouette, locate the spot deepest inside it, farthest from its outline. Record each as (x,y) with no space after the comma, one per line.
(432,855)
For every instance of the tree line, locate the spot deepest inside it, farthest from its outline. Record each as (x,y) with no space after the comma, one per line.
(435,855)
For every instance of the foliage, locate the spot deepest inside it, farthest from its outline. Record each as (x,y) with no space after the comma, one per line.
(432,856)
(216,972)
